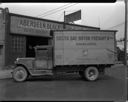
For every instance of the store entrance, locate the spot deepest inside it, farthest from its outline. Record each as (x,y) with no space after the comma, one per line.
(31,42)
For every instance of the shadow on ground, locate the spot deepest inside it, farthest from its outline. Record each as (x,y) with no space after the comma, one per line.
(66,77)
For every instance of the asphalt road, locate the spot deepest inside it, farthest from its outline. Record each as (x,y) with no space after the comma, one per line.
(112,86)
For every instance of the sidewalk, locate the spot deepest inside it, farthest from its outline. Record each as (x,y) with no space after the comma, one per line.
(5,74)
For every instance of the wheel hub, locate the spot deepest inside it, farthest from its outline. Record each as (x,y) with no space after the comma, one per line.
(19,74)
(91,74)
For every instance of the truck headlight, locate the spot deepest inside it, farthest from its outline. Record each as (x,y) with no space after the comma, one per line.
(17,59)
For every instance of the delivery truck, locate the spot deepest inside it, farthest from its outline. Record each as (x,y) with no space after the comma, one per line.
(87,52)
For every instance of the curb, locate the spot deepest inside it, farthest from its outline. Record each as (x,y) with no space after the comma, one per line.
(4,74)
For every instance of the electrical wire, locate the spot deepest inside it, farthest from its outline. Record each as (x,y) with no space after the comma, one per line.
(54,9)
(115,25)
(59,10)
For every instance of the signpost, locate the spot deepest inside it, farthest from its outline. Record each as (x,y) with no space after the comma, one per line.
(70,18)
(125,35)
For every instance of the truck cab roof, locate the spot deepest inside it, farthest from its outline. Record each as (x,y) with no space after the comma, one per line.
(42,46)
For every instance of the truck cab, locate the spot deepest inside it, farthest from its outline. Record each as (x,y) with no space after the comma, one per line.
(41,64)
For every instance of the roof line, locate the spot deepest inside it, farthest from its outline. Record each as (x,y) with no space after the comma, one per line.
(90,30)
(13,14)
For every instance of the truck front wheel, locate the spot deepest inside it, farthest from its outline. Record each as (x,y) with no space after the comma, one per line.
(91,73)
(20,74)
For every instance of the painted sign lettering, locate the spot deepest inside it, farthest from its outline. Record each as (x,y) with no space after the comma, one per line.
(30,26)
(35,24)
(27,26)
(83,38)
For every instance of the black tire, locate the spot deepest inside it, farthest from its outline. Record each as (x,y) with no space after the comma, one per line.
(20,74)
(91,73)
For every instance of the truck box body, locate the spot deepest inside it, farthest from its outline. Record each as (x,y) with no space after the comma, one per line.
(86,52)
(84,47)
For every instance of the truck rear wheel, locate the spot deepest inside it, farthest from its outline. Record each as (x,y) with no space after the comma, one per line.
(20,74)
(91,73)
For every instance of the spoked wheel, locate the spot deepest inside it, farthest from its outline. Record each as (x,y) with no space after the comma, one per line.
(91,73)
(20,74)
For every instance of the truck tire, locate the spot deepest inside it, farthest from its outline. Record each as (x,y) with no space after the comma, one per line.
(91,73)
(20,74)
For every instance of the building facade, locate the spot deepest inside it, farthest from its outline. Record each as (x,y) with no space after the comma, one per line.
(19,34)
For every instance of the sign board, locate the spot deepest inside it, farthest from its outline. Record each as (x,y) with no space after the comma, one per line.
(30,26)
(73,16)
(84,39)
(84,47)
(27,26)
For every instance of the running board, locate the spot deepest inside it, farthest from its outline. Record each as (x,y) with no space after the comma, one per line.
(40,72)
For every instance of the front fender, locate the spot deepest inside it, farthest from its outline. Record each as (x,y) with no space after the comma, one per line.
(26,62)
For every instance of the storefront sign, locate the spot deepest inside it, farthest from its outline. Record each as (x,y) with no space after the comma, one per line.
(21,25)
(29,26)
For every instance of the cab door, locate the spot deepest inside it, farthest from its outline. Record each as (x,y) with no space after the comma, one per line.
(43,59)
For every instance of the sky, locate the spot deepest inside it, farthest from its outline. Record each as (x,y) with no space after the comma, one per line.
(104,15)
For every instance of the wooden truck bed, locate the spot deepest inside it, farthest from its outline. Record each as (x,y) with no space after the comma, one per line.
(84,47)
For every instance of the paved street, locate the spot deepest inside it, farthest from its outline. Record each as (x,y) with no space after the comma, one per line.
(112,86)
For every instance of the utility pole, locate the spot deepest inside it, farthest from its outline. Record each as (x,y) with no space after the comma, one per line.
(125,35)
(64,21)
(99,21)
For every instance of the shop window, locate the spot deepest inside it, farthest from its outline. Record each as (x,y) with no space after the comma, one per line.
(18,43)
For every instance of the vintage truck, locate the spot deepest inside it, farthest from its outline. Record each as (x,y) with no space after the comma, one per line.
(87,52)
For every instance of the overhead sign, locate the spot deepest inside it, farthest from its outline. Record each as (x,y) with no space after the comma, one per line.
(28,26)
(73,16)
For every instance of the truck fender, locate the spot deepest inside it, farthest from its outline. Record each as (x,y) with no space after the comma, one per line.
(23,66)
